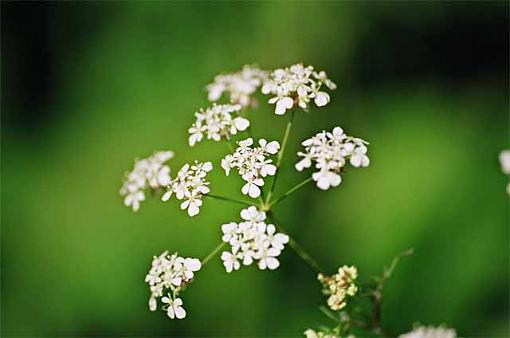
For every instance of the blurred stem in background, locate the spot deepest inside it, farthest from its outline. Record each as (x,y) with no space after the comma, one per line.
(377,293)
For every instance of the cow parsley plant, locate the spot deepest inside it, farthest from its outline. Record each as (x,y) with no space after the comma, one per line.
(258,237)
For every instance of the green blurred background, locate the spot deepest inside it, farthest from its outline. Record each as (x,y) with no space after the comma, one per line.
(87,87)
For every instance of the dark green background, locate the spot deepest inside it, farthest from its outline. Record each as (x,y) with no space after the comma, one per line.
(87,87)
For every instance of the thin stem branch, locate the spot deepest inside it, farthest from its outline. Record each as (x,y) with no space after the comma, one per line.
(229,145)
(290,191)
(228,199)
(213,253)
(377,294)
(328,314)
(295,246)
(285,139)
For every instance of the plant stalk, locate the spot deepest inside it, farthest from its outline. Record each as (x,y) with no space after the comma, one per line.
(213,253)
(296,247)
(290,191)
(285,139)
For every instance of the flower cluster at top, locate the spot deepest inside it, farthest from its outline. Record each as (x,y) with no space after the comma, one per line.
(168,276)
(504,160)
(239,86)
(190,185)
(252,164)
(329,151)
(430,332)
(217,122)
(339,286)
(297,84)
(252,239)
(150,172)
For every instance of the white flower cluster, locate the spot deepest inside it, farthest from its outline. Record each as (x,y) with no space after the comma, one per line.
(190,185)
(150,172)
(330,151)
(430,332)
(310,333)
(252,239)
(217,122)
(297,85)
(252,164)
(239,85)
(504,160)
(339,286)
(170,274)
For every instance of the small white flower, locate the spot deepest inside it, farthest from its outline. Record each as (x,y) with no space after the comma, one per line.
(329,151)
(153,304)
(133,197)
(174,309)
(276,240)
(297,85)
(230,261)
(321,99)
(239,86)
(251,188)
(326,179)
(359,157)
(217,122)
(252,214)
(267,259)
(229,231)
(148,173)
(252,164)
(504,159)
(271,148)
(282,105)
(430,332)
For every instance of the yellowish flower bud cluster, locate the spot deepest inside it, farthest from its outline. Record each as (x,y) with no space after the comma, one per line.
(339,286)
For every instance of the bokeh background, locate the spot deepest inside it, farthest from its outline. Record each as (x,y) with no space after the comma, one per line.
(89,86)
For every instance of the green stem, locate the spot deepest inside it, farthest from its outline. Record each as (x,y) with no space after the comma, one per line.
(288,128)
(213,253)
(228,199)
(290,192)
(295,246)
(328,314)
(229,145)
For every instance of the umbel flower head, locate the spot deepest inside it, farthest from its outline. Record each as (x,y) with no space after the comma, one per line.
(339,286)
(430,332)
(329,152)
(168,276)
(190,185)
(239,86)
(150,172)
(252,240)
(252,164)
(217,122)
(297,84)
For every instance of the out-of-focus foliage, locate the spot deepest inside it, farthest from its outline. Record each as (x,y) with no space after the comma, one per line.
(126,79)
